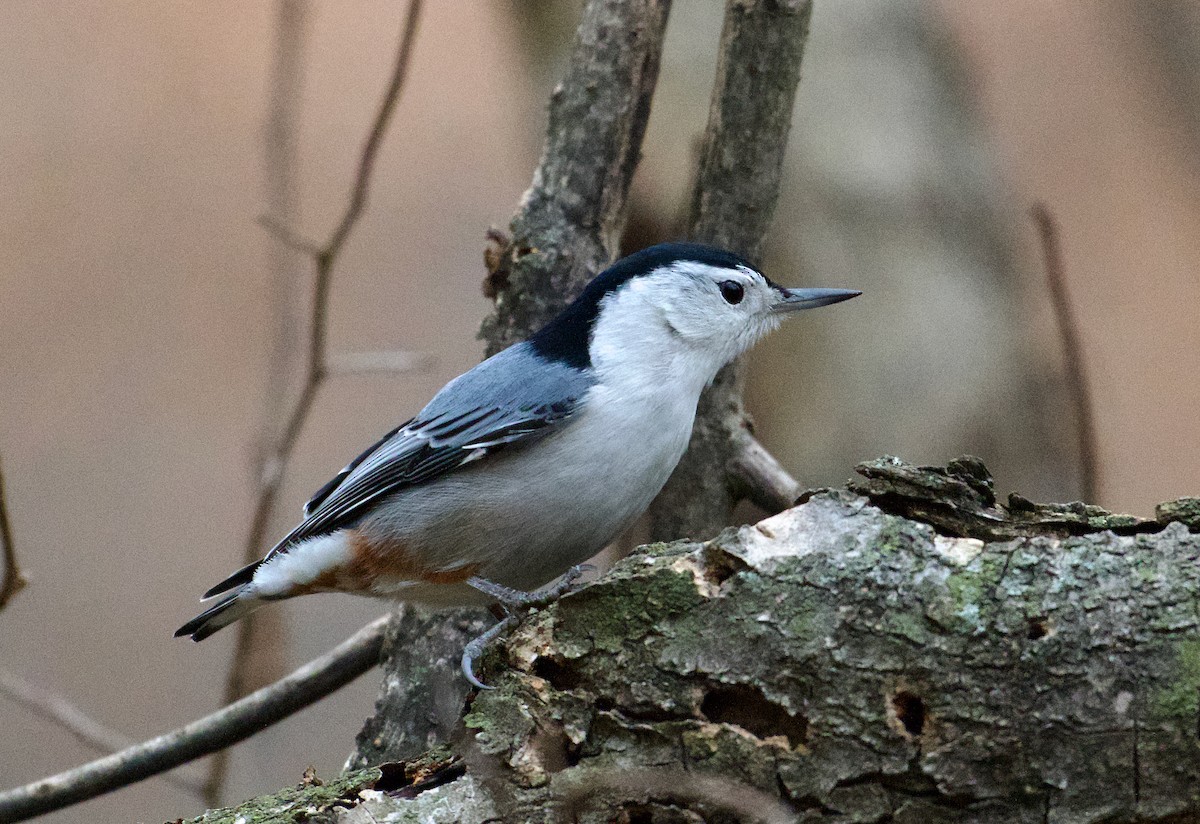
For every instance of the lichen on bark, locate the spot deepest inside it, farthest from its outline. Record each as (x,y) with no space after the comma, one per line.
(852,665)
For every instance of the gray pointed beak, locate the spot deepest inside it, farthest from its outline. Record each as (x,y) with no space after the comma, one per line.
(796,299)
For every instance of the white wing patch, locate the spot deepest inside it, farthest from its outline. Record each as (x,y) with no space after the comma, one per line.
(474,456)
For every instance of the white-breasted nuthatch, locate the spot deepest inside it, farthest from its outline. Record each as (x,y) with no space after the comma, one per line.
(533,461)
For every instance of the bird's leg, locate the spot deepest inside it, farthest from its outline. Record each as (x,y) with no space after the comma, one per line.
(516,599)
(512,602)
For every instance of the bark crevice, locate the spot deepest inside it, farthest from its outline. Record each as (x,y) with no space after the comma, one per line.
(853,665)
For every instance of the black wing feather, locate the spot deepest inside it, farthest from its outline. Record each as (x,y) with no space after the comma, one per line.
(426,461)
(323,493)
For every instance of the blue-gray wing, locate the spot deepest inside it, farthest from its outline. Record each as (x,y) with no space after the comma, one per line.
(511,398)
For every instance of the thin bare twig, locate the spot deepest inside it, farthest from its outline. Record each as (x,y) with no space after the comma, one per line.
(61,712)
(260,640)
(317,369)
(288,237)
(1068,332)
(324,260)
(14,581)
(365,363)
(213,733)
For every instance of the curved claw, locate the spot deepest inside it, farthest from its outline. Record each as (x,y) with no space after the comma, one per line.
(510,600)
(475,648)
(468,665)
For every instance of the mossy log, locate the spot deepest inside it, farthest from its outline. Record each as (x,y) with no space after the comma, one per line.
(842,662)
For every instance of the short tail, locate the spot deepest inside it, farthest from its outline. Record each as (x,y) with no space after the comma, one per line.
(233,606)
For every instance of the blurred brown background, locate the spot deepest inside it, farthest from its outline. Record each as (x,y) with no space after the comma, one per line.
(148,323)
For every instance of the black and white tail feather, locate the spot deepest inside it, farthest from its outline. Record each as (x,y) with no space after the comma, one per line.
(220,615)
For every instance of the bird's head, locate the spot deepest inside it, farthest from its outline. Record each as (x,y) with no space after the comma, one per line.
(677,308)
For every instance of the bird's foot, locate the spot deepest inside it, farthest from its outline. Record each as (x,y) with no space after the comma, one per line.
(513,602)
(514,599)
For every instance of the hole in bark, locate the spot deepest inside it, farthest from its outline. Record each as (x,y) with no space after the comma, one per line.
(748,708)
(552,749)
(718,574)
(1037,629)
(719,566)
(634,814)
(391,777)
(407,779)
(572,752)
(561,677)
(910,712)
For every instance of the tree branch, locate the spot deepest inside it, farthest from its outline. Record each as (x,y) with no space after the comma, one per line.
(568,226)
(316,372)
(63,713)
(1076,370)
(14,581)
(365,363)
(908,648)
(213,733)
(750,116)
(737,185)
(760,479)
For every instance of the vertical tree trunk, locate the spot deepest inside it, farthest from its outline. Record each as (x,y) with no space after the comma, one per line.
(569,222)
(741,164)
(563,234)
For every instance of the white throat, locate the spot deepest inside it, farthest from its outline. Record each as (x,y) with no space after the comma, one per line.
(634,346)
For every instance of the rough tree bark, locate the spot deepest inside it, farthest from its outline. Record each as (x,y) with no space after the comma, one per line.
(569,222)
(905,649)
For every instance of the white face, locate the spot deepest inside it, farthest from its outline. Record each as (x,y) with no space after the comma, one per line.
(725,310)
(686,320)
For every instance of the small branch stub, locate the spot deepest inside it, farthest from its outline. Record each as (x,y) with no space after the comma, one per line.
(14,580)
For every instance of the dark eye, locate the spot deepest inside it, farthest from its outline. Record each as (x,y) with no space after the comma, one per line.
(732,292)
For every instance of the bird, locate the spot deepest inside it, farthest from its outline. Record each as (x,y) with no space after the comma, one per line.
(526,465)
